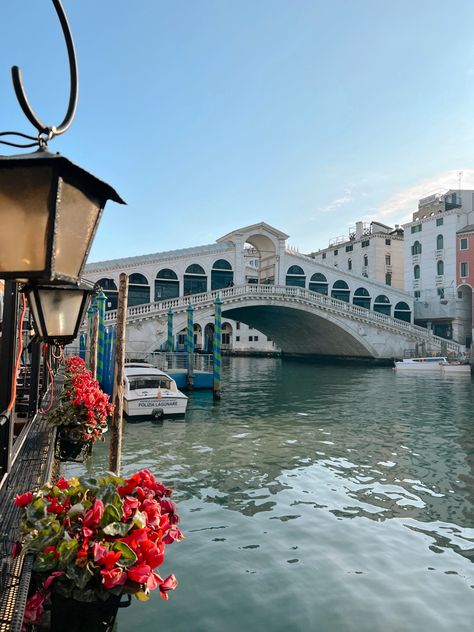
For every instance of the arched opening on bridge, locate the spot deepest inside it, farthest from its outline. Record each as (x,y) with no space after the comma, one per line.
(361,298)
(402,311)
(319,283)
(382,305)
(267,262)
(166,285)
(195,280)
(295,276)
(181,339)
(226,340)
(208,337)
(110,291)
(340,290)
(464,315)
(138,289)
(197,336)
(221,275)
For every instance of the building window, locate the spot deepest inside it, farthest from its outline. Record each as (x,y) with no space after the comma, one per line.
(439,242)
(388,279)
(463,243)
(250,338)
(237,325)
(295,276)
(460,294)
(366,261)
(255,338)
(388,242)
(324,255)
(439,221)
(464,269)
(416,229)
(318,283)
(417,293)
(349,248)
(440,268)
(416,272)
(441,292)
(416,248)
(365,243)
(237,339)
(388,260)
(336,252)
(225,338)
(349,264)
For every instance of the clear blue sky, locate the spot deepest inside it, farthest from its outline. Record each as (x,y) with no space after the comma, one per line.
(208,115)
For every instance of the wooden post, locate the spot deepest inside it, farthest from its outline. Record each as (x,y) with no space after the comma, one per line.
(115,453)
(94,344)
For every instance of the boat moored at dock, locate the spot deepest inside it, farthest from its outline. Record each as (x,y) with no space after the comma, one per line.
(149,392)
(429,364)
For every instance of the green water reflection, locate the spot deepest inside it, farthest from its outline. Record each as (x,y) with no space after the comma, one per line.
(315,498)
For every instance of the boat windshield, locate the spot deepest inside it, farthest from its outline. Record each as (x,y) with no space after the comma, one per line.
(150,382)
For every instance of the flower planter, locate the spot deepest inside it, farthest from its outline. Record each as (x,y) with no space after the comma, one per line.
(68,449)
(85,616)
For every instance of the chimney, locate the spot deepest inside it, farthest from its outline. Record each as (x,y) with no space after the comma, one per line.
(359,229)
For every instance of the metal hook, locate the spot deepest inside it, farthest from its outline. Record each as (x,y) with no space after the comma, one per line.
(51,131)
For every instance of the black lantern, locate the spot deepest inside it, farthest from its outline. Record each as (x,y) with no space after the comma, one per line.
(58,310)
(49,213)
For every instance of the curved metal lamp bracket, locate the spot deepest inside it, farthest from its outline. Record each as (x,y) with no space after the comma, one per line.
(48,132)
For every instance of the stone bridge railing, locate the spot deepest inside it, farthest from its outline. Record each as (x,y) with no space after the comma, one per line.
(269,293)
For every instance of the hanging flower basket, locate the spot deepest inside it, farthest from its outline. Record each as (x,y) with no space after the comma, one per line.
(68,449)
(85,616)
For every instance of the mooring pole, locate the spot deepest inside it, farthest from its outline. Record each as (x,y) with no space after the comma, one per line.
(170,341)
(190,347)
(115,454)
(94,344)
(217,351)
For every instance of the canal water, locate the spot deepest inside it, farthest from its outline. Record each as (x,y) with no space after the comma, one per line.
(315,498)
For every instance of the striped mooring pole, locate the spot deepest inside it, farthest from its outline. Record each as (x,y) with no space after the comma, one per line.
(170,341)
(100,301)
(190,346)
(217,352)
(82,346)
(90,315)
(106,384)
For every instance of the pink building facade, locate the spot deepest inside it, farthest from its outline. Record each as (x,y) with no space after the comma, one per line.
(465,279)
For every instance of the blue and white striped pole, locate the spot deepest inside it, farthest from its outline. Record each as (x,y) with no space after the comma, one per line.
(190,346)
(217,352)
(170,341)
(100,300)
(82,346)
(90,315)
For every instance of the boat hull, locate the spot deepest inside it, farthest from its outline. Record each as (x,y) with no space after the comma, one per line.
(155,407)
(456,369)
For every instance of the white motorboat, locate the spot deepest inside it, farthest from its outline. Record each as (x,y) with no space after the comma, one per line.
(429,364)
(149,392)
(455,367)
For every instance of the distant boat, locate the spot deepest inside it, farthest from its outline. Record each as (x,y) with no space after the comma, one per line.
(430,364)
(455,367)
(149,392)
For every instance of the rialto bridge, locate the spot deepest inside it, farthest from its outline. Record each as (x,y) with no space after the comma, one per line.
(304,306)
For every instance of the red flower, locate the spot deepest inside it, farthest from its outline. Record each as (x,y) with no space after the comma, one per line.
(113,577)
(94,514)
(23,499)
(139,573)
(170,583)
(62,483)
(34,609)
(110,559)
(173,535)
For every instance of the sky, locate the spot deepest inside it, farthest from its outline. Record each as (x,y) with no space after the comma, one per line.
(210,115)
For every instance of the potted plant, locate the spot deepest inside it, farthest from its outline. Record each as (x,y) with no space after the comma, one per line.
(94,541)
(82,414)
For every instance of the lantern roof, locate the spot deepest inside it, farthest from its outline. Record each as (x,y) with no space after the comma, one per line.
(66,168)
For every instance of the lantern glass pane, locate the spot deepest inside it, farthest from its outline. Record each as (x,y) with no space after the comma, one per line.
(60,310)
(34,308)
(77,219)
(25,196)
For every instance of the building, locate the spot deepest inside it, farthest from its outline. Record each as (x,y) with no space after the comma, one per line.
(371,250)
(439,264)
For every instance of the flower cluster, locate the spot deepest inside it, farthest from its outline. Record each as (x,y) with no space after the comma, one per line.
(84,407)
(94,538)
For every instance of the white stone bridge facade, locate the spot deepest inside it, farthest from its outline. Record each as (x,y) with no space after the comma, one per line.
(304,306)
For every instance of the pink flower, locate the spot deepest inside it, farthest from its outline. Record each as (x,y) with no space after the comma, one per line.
(34,609)
(94,514)
(47,582)
(173,535)
(170,583)
(98,551)
(22,500)
(113,577)
(139,573)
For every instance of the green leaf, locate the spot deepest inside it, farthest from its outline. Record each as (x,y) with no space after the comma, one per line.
(67,551)
(110,496)
(117,528)
(45,562)
(36,510)
(79,576)
(111,514)
(139,519)
(76,509)
(128,557)
(91,484)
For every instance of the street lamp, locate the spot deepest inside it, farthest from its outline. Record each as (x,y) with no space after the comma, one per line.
(49,212)
(59,310)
